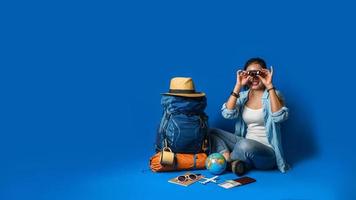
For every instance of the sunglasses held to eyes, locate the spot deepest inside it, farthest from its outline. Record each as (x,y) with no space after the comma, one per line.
(254,73)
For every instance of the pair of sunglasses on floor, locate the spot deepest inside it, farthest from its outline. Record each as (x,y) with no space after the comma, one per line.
(187,177)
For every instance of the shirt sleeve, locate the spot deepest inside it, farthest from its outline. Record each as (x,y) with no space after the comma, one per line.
(282,114)
(229,113)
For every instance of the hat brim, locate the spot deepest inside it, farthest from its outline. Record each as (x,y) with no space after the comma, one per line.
(198,94)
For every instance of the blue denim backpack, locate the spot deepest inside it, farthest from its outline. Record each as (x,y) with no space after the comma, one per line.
(184,125)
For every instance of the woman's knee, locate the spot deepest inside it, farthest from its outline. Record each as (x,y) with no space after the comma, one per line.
(244,145)
(213,137)
(213,131)
(242,150)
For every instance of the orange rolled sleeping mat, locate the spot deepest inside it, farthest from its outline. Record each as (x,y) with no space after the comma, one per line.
(182,162)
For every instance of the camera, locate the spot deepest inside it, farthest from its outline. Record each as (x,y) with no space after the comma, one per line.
(254,73)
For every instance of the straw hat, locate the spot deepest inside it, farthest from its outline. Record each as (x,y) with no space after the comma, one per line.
(183,86)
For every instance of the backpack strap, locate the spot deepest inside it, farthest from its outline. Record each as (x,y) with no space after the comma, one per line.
(204,124)
(202,121)
(175,163)
(195,161)
(163,121)
(163,127)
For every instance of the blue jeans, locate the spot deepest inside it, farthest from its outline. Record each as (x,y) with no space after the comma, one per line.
(253,153)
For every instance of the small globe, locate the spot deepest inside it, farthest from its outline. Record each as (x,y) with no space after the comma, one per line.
(215,163)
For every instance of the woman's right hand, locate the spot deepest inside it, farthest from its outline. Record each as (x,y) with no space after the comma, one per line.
(241,78)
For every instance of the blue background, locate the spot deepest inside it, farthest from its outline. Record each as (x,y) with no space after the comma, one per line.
(81,81)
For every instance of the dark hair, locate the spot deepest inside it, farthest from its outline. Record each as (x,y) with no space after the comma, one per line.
(257,60)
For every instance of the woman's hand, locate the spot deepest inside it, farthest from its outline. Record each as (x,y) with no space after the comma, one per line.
(266,78)
(276,102)
(241,78)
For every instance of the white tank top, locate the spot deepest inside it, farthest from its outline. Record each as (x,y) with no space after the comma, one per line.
(256,129)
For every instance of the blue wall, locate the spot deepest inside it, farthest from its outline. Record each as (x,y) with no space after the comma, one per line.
(81,81)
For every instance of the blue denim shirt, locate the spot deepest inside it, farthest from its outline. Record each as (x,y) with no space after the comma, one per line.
(272,123)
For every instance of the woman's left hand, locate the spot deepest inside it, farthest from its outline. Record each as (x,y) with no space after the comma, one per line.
(266,78)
